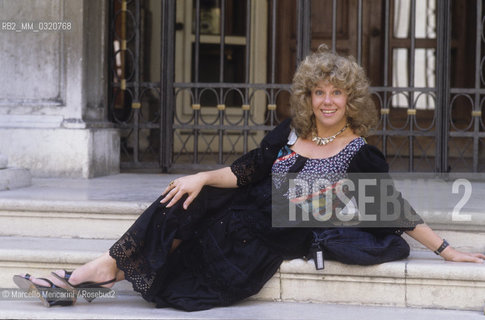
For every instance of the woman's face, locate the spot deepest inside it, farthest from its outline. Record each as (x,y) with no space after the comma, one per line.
(329,104)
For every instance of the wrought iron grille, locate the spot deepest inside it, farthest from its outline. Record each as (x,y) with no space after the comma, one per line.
(224,71)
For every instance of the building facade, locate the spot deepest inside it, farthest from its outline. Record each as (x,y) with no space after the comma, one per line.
(167,85)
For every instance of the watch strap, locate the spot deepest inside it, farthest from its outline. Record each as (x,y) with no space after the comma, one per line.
(443,246)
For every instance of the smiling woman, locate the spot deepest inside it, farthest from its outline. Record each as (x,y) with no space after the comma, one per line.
(328,68)
(328,104)
(330,94)
(215,238)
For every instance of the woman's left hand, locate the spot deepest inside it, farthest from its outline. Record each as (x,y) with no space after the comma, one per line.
(431,240)
(451,254)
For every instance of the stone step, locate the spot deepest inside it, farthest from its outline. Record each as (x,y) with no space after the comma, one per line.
(96,219)
(40,256)
(101,219)
(14,178)
(100,208)
(423,280)
(103,208)
(129,307)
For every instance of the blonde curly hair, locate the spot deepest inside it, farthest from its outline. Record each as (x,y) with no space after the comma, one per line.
(342,72)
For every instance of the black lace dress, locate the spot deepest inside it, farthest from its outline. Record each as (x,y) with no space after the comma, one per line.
(229,249)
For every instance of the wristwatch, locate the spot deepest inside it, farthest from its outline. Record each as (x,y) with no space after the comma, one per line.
(443,246)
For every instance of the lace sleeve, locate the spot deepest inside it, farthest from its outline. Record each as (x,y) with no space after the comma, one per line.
(256,164)
(245,167)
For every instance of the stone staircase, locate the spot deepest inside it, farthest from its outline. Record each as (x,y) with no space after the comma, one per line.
(13,178)
(64,223)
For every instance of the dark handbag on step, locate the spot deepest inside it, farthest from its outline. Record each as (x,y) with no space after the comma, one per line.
(356,246)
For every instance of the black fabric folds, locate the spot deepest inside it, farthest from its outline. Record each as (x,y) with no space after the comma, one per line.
(229,248)
(370,160)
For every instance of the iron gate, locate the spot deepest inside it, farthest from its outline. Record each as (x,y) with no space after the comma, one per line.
(217,105)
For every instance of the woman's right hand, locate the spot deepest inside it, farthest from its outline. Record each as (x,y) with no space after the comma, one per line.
(190,185)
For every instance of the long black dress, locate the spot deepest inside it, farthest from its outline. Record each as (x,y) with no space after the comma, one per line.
(229,249)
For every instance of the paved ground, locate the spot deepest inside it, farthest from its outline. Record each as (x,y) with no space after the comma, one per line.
(133,307)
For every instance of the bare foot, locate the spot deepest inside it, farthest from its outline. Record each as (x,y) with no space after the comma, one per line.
(98,270)
(43,283)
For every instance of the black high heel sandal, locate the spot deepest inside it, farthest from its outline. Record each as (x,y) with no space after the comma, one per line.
(89,290)
(51,295)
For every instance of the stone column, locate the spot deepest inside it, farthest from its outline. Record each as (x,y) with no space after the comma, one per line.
(53,97)
(13,178)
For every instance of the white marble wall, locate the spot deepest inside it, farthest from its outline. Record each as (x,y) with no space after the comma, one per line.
(53,92)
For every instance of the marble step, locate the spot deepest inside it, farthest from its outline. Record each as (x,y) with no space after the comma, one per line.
(101,219)
(94,219)
(423,280)
(40,256)
(14,178)
(129,307)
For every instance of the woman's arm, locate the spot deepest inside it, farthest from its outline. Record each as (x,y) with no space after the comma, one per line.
(192,184)
(432,241)
(247,169)
(220,178)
